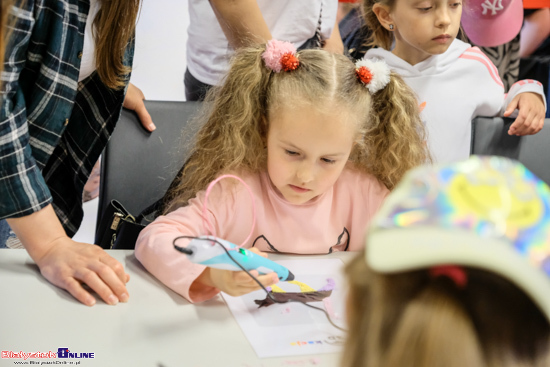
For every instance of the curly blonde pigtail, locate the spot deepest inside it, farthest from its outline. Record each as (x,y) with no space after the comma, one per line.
(233,133)
(394,140)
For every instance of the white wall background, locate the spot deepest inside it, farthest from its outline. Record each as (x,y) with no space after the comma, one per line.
(159,60)
(159,65)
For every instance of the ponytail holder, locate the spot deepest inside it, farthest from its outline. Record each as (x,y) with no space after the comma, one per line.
(280,55)
(375,75)
(454,272)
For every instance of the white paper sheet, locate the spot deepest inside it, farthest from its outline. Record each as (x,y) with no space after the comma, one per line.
(294,329)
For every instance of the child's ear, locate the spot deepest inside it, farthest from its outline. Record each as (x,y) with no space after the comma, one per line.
(383,14)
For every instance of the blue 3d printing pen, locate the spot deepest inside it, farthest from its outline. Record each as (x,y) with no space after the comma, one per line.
(202,250)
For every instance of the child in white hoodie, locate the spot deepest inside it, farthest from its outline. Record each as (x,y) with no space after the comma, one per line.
(454,82)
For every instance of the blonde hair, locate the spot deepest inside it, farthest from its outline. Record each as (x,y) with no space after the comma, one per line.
(233,134)
(411,319)
(115,24)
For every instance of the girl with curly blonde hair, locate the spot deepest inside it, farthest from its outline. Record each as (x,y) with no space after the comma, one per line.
(319,141)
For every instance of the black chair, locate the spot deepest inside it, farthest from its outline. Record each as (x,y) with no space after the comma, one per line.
(137,167)
(490,137)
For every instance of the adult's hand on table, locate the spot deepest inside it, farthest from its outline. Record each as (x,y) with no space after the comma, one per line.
(69,264)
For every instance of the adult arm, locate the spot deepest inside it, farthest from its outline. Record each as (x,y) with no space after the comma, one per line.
(334,42)
(66,263)
(536,28)
(25,197)
(242,22)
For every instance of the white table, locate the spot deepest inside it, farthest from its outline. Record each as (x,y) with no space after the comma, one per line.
(156,328)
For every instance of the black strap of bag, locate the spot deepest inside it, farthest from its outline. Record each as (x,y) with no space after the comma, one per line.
(119,229)
(316,41)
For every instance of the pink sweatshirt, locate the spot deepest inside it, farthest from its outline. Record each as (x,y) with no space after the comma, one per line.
(334,221)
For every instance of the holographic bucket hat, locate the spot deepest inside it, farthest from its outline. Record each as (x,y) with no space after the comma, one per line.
(490,213)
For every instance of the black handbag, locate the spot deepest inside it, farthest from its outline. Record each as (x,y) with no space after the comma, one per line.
(119,229)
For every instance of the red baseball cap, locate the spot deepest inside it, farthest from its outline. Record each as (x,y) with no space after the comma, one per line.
(491,23)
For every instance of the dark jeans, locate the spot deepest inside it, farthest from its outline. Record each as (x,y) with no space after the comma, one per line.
(195,90)
(5,233)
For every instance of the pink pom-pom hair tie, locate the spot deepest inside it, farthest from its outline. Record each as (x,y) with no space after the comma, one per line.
(280,55)
(374,74)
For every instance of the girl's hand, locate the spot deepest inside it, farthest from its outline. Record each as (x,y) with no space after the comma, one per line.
(530,119)
(237,283)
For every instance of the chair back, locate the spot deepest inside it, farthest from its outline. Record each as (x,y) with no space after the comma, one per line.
(490,137)
(137,167)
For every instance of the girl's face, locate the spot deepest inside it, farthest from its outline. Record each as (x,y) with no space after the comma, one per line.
(307,150)
(424,27)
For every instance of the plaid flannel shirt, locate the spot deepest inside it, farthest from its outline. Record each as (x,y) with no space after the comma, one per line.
(52,127)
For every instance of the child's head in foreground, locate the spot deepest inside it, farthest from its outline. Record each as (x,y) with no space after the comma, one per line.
(455,272)
(304,116)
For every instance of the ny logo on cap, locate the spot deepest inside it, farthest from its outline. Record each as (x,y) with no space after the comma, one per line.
(494,6)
